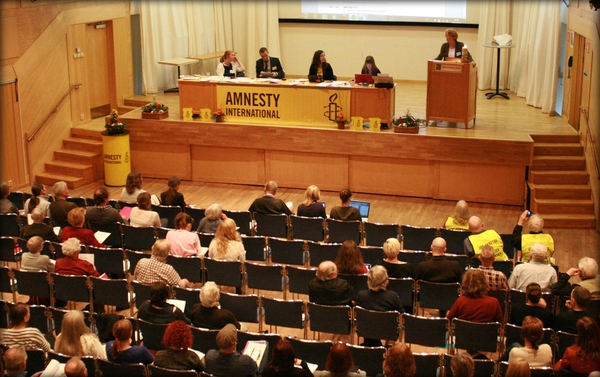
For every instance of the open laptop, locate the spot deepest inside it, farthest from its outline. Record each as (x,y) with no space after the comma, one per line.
(363,208)
(361,78)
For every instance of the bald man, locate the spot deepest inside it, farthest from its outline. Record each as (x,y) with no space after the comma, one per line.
(75,367)
(481,237)
(438,269)
(327,288)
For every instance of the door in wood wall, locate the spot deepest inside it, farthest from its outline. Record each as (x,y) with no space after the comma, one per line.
(586,86)
(97,70)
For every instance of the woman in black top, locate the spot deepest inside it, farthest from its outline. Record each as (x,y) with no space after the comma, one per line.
(312,207)
(320,67)
(172,197)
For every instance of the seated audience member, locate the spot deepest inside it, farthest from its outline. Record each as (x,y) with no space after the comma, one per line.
(519,367)
(33,260)
(474,304)
(584,356)
(524,242)
(142,215)
(462,365)
(207,314)
(184,242)
(226,361)
(320,67)
(395,268)
(533,271)
(39,228)
(227,244)
(75,367)
(133,188)
(536,354)
(340,363)
(459,218)
(567,320)
(157,309)
(496,279)
(155,269)
(269,204)
(213,215)
(312,207)
(399,362)
(178,339)
(269,64)
(284,362)
(6,206)
(102,214)
(345,212)
(370,67)
(327,288)
(534,306)
(587,270)
(75,338)
(39,199)
(15,362)
(19,334)
(172,197)
(438,269)
(76,230)
(480,237)
(60,207)
(230,66)
(349,259)
(121,351)
(71,264)
(378,298)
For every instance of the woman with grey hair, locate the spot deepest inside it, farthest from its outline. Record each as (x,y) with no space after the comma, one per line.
(71,264)
(213,215)
(377,298)
(523,242)
(207,313)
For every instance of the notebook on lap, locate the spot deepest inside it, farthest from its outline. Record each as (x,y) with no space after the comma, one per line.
(363,208)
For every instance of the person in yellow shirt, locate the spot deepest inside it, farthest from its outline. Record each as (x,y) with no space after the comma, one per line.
(480,237)
(459,218)
(523,242)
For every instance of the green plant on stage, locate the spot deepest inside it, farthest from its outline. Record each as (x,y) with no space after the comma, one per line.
(155,108)
(218,115)
(407,120)
(115,127)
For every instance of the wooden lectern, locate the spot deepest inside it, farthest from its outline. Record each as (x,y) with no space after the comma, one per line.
(451,92)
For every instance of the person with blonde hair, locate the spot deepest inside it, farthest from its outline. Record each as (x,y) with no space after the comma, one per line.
(462,365)
(33,260)
(535,353)
(155,269)
(474,304)
(395,268)
(519,367)
(227,244)
(184,242)
(459,218)
(77,220)
(207,313)
(75,338)
(213,215)
(121,351)
(312,207)
(453,48)
(524,242)
(71,264)
(230,66)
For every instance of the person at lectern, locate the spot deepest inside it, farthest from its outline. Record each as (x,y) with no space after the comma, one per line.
(320,67)
(230,66)
(268,65)
(453,48)
(370,67)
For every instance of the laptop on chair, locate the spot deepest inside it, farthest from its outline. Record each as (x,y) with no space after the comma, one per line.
(363,208)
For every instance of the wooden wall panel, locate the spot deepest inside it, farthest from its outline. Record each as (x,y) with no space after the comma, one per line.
(228,165)
(80,98)
(96,61)
(12,159)
(391,176)
(299,170)
(486,183)
(121,51)
(161,160)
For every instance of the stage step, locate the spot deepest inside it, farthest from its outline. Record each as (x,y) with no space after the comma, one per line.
(557,149)
(561,206)
(82,133)
(49,179)
(574,138)
(75,155)
(561,191)
(130,102)
(70,168)
(81,144)
(569,221)
(558,163)
(550,177)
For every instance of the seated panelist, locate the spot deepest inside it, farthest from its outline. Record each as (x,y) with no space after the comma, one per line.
(320,67)
(268,65)
(230,66)
(370,67)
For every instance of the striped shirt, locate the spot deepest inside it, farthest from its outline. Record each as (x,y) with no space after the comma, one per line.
(149,271)
(28,337)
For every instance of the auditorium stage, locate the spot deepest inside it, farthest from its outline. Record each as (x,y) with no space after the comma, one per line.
(486,163)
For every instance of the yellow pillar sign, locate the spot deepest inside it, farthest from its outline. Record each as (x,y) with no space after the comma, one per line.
(357,123)
(117,158)
(188,114)
(205,115)
(375,124)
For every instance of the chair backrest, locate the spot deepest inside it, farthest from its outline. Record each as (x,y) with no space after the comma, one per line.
(436,329)
(517,297)
(39,318)
(245,308)
(376,233)
(405,289)
(167,214)
(138,238)
(271,339)
(271,225)
(17,198)
(339,231)
(191,296)
(79,201)
(562,341)
(204,339)
(288,251)
(256,247)
(439,296)
(372,255)
(285,313)
(428,364)
(75,288)
(502,296)
(6,280)
(267,277)
(115,239)
(455,239)
(110,261)
(504,266)
(369,359)
(416,238)
(242,220)
(32,283)
(36,361)
(512,334)
(205,238)
(320,252)
(333,319)
(476,336)
(358,282)
(224,272)
(307,228)
(461,259)
(109,369)
(298,278)
(413,257)
(133,257)
(142,292)
(7,250)
(377,324)
(161,232)
(196,213)
(164,372)
(9,225)
(187,267)
(152,334)
(3,315)
(311,351)
(115,292)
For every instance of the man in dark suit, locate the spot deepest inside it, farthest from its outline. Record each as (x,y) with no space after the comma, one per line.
(268,63)
(38,228)
(438,269)
(60,207)
(328,289)
(269,204)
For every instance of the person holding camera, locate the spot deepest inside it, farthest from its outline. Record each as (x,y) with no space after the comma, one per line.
(523,242)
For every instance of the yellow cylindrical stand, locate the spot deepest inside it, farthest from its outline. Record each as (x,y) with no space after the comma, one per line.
(117,159)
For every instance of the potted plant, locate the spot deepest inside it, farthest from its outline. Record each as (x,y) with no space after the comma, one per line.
(114,126)
(154,110)
(341,121)
(407,123)
(218,115)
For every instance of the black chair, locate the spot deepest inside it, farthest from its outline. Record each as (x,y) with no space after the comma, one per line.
(517,297)
(504,266)
(307,228)
(311,351)
(562,341)
(415,327)
(187,267)
(440,296)
(36,361)
(461,259)
(428,364)
(113,292)
(377,233)
(133,257)
(288,251)
(377,324)
(256,248)
(155,371)
(284,313)
(39,318)
(413,257)
(7,251)
(196,213)
(369,359)
(266,277)
(320,252)
(79,201)
(109,369)
(502,296)
(3,315)
(416,238)
(372,255)
(115,238)
(142,292)
(509,249)
(191,296)
(512,334)
(271,339)
(405,289)
(9,225)
(138,238)
(56,317)
(18,199)
(152,334)
(56,249)
(161,233)
(242,219)
(206,239)
(33,284)
(204,339)
(167,214)
(298,278)
(358,282)
(476,336)
(226,273)
(341,231)
(273,225)
(245,308)
(6,282)
(455,239)
(109,261)
(73,288)
(89,361)
(332,319)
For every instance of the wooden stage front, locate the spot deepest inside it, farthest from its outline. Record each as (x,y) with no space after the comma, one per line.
(485,164)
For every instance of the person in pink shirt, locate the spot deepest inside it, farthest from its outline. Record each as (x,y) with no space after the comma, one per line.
(184,242)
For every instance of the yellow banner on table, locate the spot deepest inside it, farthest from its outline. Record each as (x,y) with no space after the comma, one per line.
(375,124)
(188,114)
(205,115)
(293,105)
(357,123)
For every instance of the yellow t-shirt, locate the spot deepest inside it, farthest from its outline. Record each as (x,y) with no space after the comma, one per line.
(451,224)
(529,239)
(488,237)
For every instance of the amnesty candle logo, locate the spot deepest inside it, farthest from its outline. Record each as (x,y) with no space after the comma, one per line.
(332,109)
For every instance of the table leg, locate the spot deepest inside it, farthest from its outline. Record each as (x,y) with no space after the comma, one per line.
(497,93)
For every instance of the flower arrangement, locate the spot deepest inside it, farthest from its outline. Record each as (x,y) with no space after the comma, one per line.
(407,120)
(341,121)
(114,127)
(154,108)
(218,115)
